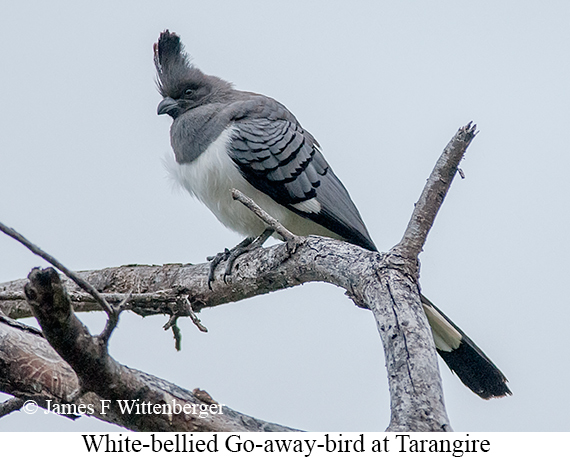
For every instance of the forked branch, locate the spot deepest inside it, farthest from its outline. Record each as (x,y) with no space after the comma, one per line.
(387,284)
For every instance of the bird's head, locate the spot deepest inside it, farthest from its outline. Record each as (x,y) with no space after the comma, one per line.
(183,85)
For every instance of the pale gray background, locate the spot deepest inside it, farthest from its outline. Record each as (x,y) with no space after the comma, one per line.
(383,86)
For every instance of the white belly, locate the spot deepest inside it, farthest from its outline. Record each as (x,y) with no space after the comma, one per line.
(211,177)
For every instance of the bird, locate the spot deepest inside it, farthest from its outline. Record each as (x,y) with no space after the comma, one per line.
(224,138)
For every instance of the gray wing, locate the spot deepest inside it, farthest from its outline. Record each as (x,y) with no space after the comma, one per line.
(278,157)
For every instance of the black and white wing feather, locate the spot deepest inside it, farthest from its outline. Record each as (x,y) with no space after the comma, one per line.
(281,159)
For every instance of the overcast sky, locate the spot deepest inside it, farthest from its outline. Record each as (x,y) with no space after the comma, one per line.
(383,86)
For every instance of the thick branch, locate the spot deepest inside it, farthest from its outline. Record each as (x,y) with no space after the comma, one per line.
(157,288)
(32,370)
(416,392)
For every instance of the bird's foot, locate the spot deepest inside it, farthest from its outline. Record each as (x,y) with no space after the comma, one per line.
(231,255)
(214,262)
(227,255)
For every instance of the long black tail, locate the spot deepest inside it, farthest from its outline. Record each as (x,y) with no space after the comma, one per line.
(463,356)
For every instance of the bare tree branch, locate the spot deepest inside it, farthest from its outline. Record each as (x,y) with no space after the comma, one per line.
(434,192)
(32,370)
(416,395)
(56,263)
(348,266)
(156,288)
(387,284)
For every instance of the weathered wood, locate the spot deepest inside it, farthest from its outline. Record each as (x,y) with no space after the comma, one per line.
(362,273)
(416,391)
(387,284)
(31,369)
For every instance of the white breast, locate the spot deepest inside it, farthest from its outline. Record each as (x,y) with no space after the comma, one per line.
(211,177)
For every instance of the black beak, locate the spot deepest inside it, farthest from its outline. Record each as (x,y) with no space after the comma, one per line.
(168,106)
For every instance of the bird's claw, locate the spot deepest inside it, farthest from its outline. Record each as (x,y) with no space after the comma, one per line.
(231,255)
(214,262)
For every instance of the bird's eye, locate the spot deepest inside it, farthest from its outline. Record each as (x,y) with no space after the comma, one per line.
(189,92)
